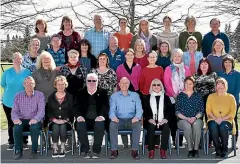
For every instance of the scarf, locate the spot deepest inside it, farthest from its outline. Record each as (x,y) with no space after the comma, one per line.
(157,112)
(147,41)
(178,76)
(73,66)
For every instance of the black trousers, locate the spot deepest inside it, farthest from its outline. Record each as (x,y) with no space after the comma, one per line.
(90,125)
(164,137)
(59,130)
(236,121)
(8,111)
(205,114)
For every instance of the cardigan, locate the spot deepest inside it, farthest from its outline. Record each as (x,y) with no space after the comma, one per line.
(102,102)
(197,57)
(134,77)
(168,80)
(60,111)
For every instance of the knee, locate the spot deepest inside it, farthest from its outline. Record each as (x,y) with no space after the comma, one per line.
(151,127)
(136,125)
(113,125)
(35,127)
(166,128)
(224,127)
(100,125)
(17,128)
(212,125)
(81,125)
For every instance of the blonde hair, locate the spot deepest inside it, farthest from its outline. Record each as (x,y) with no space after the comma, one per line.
(221,42)
(194,39)
(15,54)
(32,41)
(154,53)
(73,52)
(154,82)
(140,41)
(60,78)
(175,51)
(223,81)
(45,54)
(139,26)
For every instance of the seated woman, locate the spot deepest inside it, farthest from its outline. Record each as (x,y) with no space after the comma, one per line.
(156,117)
(221,110)
(189,111)
(60,103)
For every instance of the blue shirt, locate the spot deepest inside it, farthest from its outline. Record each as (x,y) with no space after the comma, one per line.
(29,63)
(208,40)
(58,57)
(233,79)
(115,59)
(216,62)
(125,106)
(98,39)
(12,83)
(163,61)
(197,57)
(189,106)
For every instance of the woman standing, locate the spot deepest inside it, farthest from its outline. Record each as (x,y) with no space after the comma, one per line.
(140,53)
(190,23)
(107,78)
(12,83)
(233,79)
(156,117)
(221,110)
(30,59)
(41,30)
(189,111)
(145,34)
(174,76)
(216,57)
(164,54)
(86,58)
(192,57)
(60,99)
(74,72)
(168,34)
(70,38)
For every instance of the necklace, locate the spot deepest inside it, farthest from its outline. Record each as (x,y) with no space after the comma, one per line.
(190,33)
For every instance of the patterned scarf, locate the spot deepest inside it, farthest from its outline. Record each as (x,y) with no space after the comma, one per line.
(178,76)
(147,41)
(73,66)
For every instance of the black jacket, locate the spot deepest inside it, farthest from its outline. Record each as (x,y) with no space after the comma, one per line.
(102,103)
(60,111)
(148,114)
(93,61)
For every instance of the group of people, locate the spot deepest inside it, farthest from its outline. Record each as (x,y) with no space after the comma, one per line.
(111,82)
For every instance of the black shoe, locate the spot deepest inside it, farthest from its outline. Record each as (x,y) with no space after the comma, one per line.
(86,155)
(25,147)
(190,154)
(95,156)
(196,154)
(33,155)
(218,154)
(135,154)
(114,154)
(224,155)
(10,147)
(18,155)
(55,153)
(62,153)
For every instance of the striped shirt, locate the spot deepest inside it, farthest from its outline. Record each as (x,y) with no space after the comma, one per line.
(98,40)
(28,108)
(58,57)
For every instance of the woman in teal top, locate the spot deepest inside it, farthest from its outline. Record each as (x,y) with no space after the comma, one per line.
(12,83)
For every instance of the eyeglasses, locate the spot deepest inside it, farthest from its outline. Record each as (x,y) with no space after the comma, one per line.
(93,81)
(156,85)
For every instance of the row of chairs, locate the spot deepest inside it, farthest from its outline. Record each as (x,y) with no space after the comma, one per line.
(204,139)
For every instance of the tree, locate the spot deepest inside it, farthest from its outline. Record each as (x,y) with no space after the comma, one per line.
(236,38)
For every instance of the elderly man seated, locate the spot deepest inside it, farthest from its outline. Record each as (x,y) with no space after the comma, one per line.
(125,114)
(27,114)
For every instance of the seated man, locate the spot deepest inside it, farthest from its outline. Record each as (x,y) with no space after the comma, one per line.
(125,114)
(91,114)
(27,113)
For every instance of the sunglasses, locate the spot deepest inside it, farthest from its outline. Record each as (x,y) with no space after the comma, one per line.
(93,81)
(156,85)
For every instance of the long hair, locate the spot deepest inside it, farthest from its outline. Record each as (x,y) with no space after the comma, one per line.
(45,54)
(139,26)
(85,42)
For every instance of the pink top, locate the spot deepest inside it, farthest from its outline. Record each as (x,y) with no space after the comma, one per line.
(134,77)
(143,62)
(168,80)
(192,66)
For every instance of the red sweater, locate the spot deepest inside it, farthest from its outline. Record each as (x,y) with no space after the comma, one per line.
(143,62)
(147,76)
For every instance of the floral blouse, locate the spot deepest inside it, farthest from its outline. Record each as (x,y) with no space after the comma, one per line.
(107,80)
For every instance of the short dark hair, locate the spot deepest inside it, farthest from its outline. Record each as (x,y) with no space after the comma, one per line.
(85,42)
(189,78)
(204,60)
(100,55)
(228,58)
(167,17)
(67,18)
(215,19)
(168,44)
(39,21)
(56,35)
(122,18)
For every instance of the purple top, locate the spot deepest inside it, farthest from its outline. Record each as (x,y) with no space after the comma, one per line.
(28,108)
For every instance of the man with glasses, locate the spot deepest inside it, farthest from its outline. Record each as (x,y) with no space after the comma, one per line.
(27,113)
(91,114)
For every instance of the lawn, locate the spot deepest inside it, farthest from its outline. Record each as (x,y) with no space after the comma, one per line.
(4,120)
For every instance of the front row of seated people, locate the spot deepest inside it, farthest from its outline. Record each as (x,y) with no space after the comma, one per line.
(92,112)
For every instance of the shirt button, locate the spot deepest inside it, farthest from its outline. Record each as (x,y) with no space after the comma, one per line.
(59,108)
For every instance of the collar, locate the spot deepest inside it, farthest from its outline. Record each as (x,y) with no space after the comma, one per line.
(94,29)
(219,33)
(232,71)
(93,92)
(31,95)
(129,93)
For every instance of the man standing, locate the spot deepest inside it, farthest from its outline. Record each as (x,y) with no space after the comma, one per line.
(115,55)
(92,115)
(215,33)
(97,36)
(125,114)
(27,114)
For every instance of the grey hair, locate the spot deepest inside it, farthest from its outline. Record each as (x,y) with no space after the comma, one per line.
(156,81)
(15,54)
(176,50)
(154,53)
(124,78)
(92,75)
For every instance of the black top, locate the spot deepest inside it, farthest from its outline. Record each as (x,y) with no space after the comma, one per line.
(92,107)
(60,111)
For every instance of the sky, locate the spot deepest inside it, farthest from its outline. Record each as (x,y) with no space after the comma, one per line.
(202,24)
